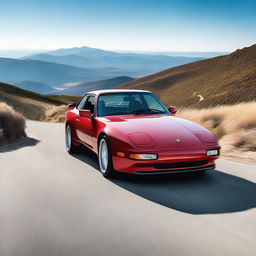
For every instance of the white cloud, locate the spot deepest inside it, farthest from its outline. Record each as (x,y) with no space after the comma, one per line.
(71,84)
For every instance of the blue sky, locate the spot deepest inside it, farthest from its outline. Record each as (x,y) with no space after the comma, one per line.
(146,25)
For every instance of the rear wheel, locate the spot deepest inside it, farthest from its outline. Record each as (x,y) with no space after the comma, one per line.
(105,158)
(69,140)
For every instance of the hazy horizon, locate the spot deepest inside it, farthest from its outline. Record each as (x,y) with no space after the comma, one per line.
(19,53)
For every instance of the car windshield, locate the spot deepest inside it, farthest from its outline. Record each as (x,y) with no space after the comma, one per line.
(130,103)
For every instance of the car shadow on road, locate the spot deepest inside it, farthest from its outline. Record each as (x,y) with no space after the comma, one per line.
(195,193)
(20,143)
(87,156)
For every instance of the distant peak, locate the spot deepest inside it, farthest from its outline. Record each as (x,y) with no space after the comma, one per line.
(82,47)
(77,48)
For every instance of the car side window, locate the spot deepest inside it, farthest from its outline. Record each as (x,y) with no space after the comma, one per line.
(82,102)
(89,104)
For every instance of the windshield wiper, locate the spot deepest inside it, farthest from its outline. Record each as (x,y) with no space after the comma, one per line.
(140,111)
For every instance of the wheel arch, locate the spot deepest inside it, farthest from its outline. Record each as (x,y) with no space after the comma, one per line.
(100,135)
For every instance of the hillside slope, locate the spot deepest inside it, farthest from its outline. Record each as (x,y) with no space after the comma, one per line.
(221,80)
(32,105)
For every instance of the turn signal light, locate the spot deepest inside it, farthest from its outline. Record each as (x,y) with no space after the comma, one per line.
(120,154)
(143,156)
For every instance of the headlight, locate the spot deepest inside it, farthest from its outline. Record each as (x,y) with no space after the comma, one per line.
(143,156)
(212,152)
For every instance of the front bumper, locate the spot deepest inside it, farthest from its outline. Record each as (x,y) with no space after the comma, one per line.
(171,161)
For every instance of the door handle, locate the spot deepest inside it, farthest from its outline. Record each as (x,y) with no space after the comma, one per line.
(78,120)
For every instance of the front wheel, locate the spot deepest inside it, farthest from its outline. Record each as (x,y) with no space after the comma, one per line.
(105,158)
(69,140)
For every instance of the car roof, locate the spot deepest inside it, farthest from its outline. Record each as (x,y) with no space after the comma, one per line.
(98,92)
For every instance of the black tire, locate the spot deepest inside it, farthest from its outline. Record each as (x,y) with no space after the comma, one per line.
(70,147)
(106,168)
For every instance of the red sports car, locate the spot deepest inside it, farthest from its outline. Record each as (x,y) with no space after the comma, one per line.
(132,131)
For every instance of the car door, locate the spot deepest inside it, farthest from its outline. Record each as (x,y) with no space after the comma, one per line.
(85,125)
(76,121)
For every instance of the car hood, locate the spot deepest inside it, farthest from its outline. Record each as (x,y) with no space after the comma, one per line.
(164,131)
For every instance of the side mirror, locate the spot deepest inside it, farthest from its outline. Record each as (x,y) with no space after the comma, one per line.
(85,113)
(173,110)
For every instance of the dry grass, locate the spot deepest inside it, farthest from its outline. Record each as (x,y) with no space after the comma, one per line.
(235,126)
(55,114)
(12,124)
(32,105)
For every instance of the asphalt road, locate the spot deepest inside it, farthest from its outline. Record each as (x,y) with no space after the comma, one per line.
(54,204)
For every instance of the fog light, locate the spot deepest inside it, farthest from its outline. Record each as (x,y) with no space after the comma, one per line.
(143,156)
(212,152)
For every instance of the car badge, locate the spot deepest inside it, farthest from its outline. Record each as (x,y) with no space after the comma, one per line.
(178,140)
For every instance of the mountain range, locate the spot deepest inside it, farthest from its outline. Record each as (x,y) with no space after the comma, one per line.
(81,89)
(221,80)
(34,86)
(85,57)
(15,70)
(48,71)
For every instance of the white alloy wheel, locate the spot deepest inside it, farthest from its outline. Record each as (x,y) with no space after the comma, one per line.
(103,156)
(68,138)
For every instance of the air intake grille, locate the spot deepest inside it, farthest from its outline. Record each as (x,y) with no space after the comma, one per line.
(179,165)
